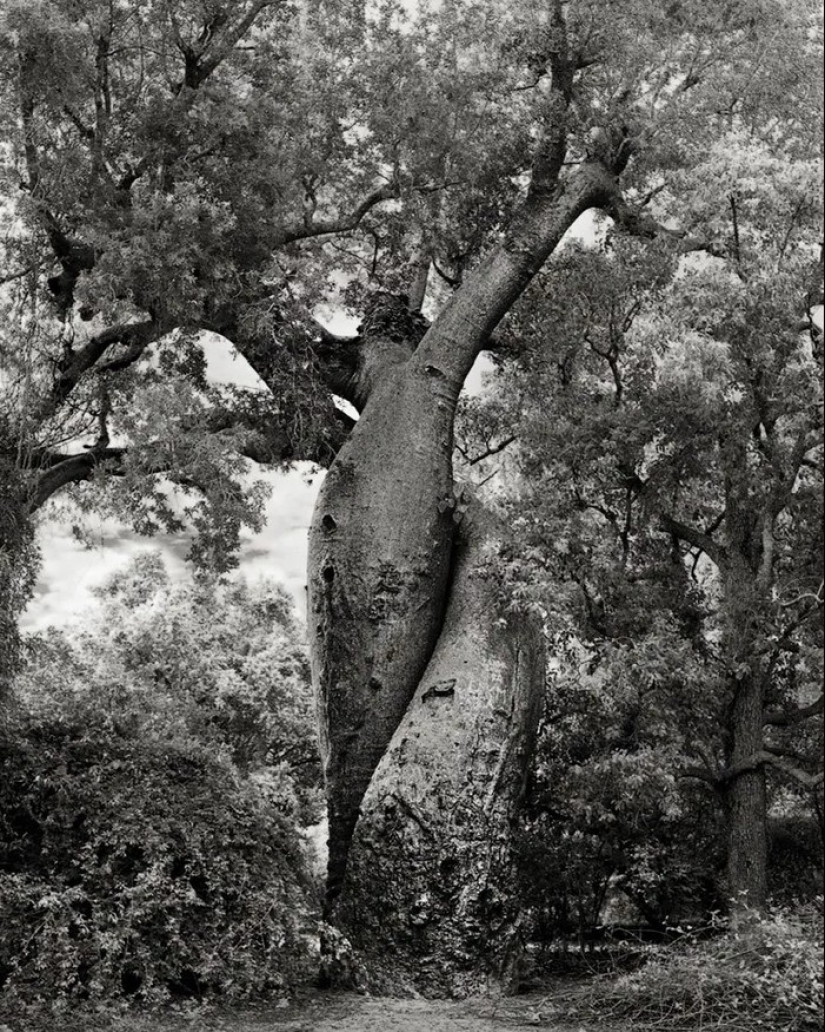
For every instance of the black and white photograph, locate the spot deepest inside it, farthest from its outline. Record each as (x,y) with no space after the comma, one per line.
(411,515)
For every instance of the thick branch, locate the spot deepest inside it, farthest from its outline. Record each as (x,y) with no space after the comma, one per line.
(763,758)
(465,324)
(637,222)
(552,147)
(338,357)
(693,536)
(70,469)
(134,335)
(792,771)
(787,718)
(221,44)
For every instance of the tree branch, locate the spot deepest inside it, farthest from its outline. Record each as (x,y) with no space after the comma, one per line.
(136,335)
(342,224)
(70,469)
(465,324)
(489,452)
(551,150)
(222,44)
(792,771)
(635,222)
(787,718)
(693,536)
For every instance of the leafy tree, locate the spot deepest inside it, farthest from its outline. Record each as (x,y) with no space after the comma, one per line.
(205,663)
(157,773)
(216,166)
(611,832)
(682,509)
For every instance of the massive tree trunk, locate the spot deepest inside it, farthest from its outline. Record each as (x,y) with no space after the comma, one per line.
(379,559)
(427,684)
(436,822)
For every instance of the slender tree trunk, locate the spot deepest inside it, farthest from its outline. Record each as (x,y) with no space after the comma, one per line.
(745,794)
(746,803)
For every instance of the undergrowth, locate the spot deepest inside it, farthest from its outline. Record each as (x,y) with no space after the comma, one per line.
(766,977)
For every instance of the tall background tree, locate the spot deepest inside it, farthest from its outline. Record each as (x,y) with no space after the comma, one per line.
(675,484)
(175,168)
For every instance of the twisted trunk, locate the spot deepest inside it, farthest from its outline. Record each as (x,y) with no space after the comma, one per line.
(435,831)
(426,711)
(379,558)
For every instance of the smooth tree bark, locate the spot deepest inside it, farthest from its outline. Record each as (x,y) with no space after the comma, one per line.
(435,828)
(382,605)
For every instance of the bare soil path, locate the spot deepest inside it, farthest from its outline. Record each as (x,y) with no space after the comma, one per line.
(328,1012)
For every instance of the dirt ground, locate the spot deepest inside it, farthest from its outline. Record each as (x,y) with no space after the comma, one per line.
(331,1012)
(348,1013)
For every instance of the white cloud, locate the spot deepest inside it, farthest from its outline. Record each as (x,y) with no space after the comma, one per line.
(71,569)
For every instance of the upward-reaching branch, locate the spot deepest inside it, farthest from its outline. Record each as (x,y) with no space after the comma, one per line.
(553,203)
(552,149)
(219,39)
(465,325)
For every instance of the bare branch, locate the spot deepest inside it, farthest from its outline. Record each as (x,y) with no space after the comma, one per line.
(341,224)
(489,452)
(807,596)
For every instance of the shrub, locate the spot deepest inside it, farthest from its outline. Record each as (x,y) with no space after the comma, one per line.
(768,976)
(133,867)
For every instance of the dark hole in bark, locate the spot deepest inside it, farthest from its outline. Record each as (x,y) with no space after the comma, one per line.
(328,574)
(375,684)
(329,523)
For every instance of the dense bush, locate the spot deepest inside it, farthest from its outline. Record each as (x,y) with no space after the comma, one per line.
(133,868)
(156,783)
(767,976)
(610,830)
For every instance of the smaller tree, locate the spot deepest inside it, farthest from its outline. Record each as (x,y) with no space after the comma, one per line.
(671,435)
(157,777)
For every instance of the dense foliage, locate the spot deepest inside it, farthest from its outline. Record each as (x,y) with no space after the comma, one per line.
(770,979)
(156,779)
(663,417)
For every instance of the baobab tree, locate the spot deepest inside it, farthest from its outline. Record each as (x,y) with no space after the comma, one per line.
(205,166)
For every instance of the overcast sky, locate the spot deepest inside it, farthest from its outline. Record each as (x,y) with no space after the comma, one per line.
(70,568)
